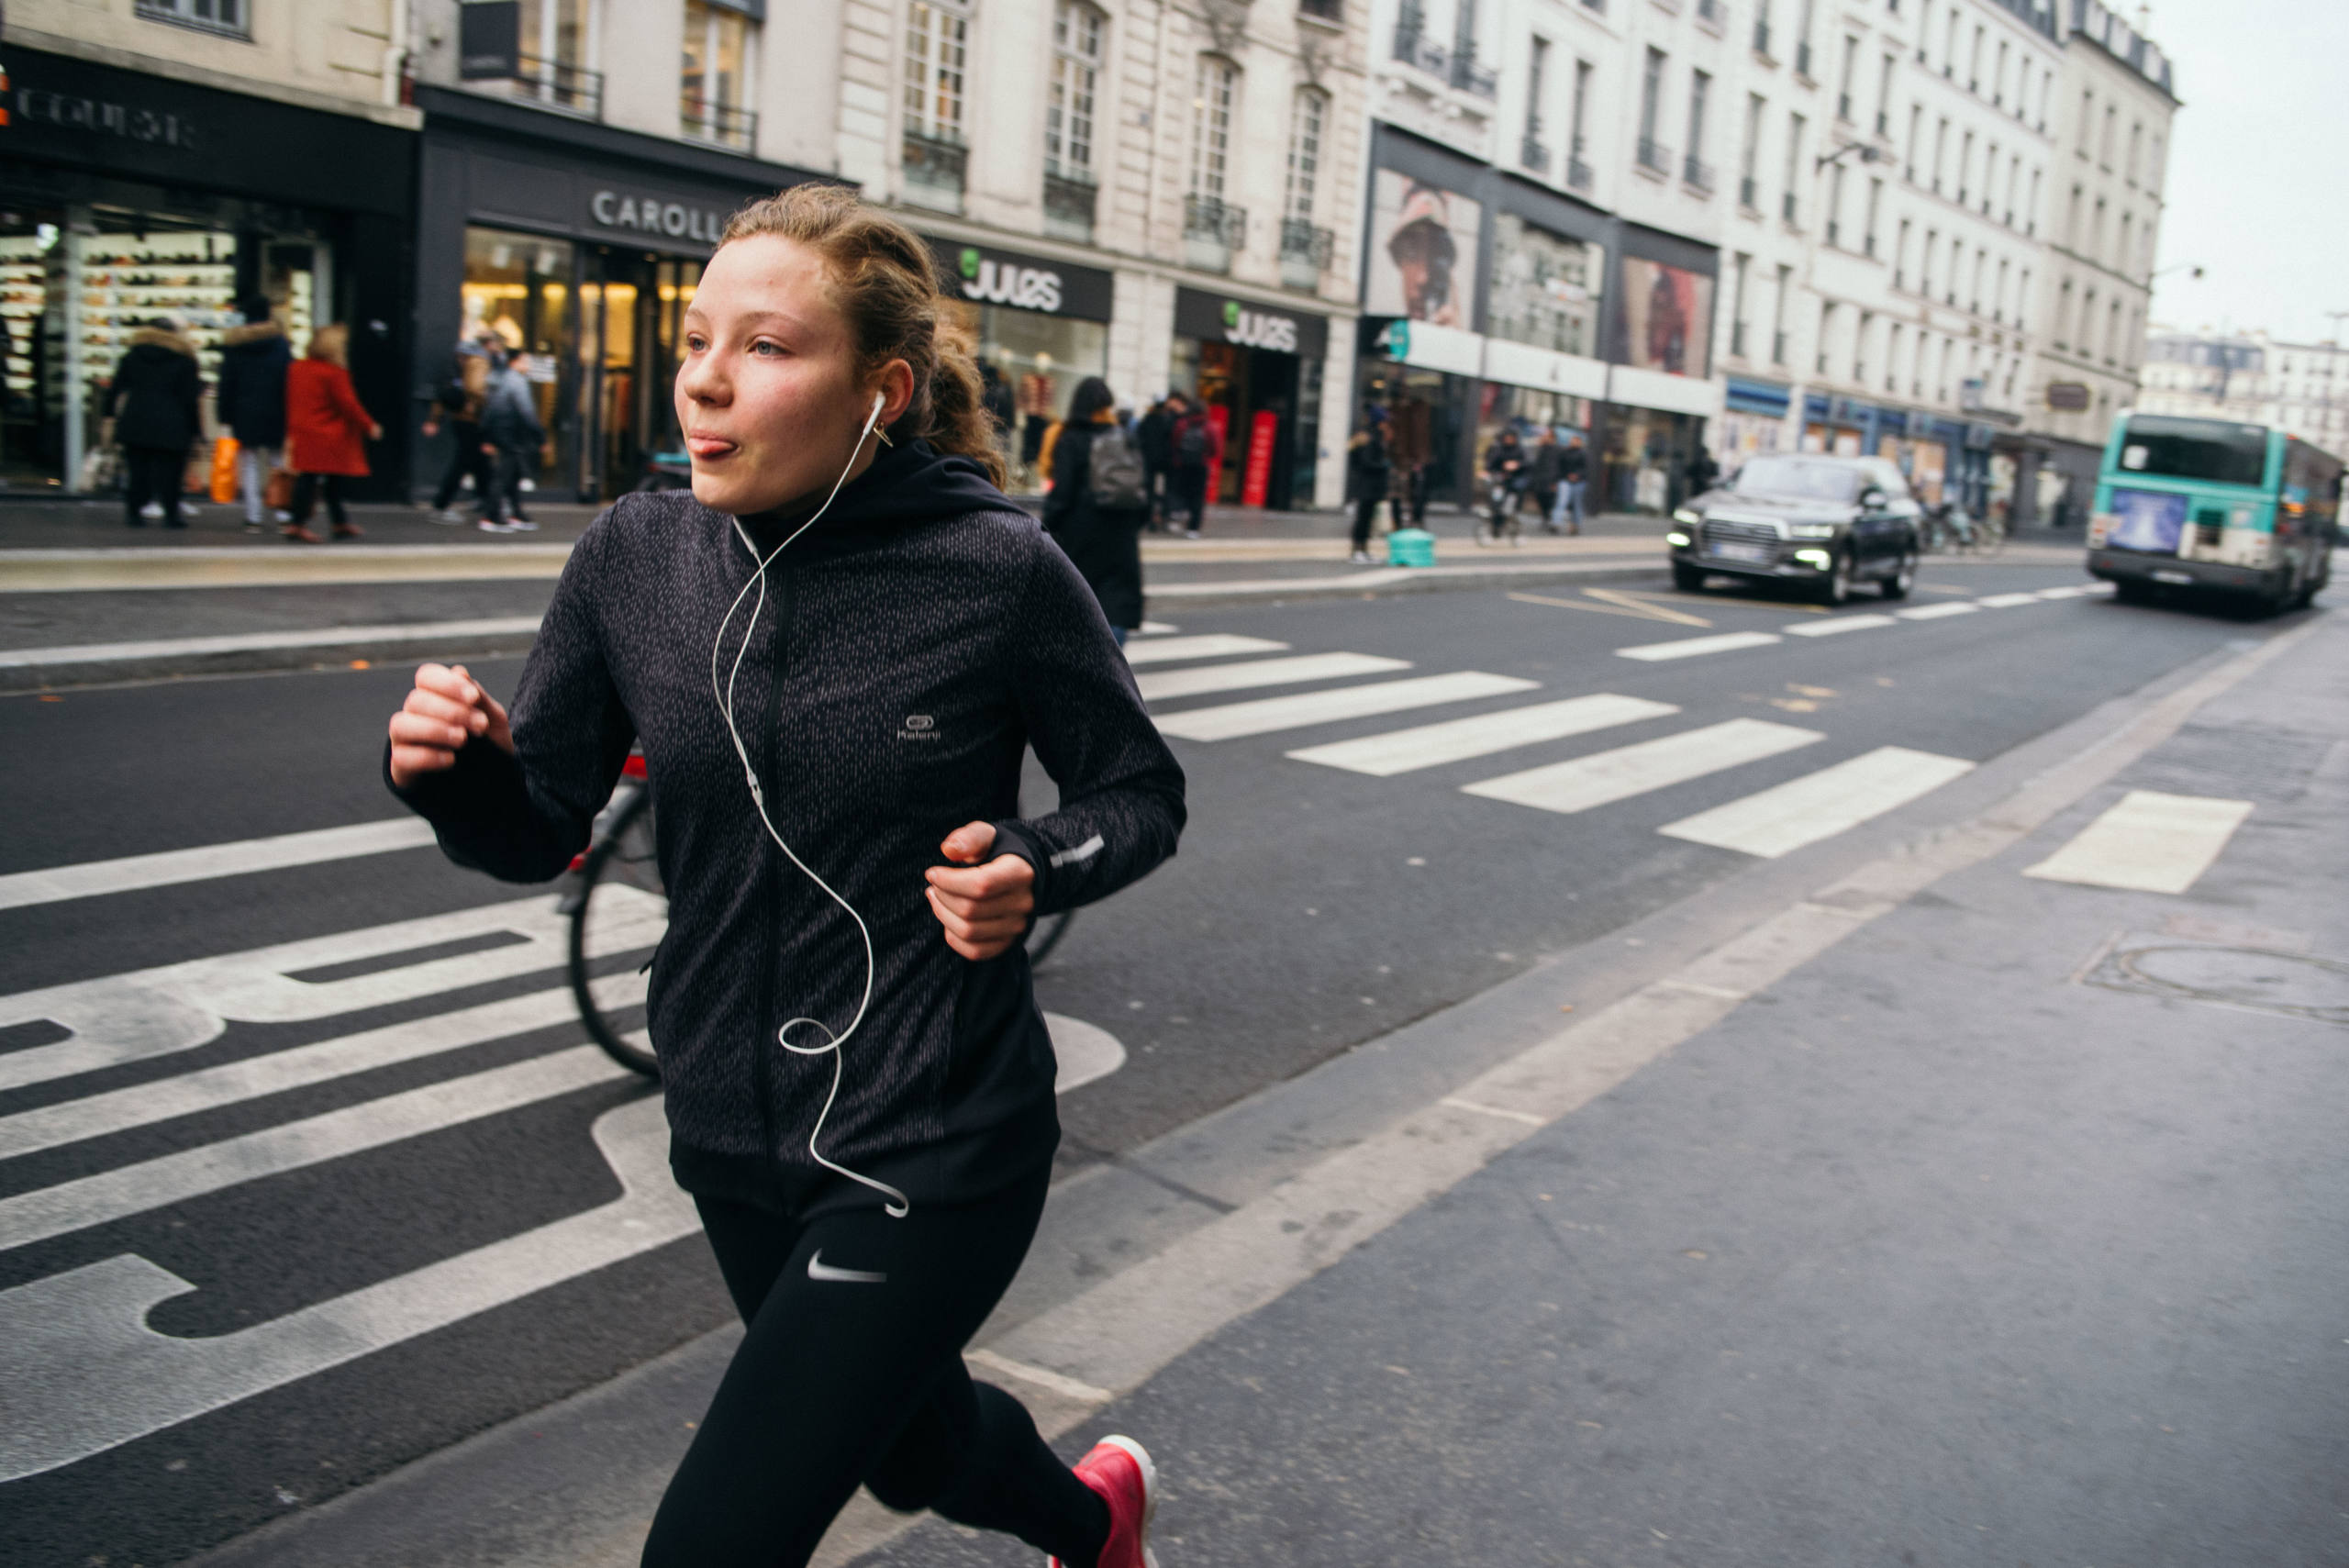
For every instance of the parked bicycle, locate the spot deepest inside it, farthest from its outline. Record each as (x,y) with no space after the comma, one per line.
(1951,529)
(606,893)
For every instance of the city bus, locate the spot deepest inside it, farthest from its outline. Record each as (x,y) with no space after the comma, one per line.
(2213,504)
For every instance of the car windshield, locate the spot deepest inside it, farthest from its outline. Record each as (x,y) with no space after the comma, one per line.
(2212,449)
(1800,479)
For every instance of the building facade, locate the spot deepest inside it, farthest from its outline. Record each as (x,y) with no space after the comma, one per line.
(2301,388)
(2103,215)
(166,160)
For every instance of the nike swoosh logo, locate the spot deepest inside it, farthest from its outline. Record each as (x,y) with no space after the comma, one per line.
(820,1270)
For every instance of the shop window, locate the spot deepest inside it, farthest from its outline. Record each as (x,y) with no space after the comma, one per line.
(714,87)
(1544,288)
(518,294)
(1070,186)
(1042,357)
(554,58)
(230,17)
(1305,246)
(938,42)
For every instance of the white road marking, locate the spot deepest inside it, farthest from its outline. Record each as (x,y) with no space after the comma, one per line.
(1690,647)
(146,1012)
(90,878)
(1085,1052)
(1480,735)
(1212,645)
(1938,612)
(1155,628)
(250,642)
(2008,601)
(1819,806)
(1166,684)
(1267,713)
(1834,624)
(231,1083)
(2148,842)
(1627,771)
(2068,591)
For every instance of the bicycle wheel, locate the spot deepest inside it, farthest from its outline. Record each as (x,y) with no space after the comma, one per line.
(619,908)
(1044,935)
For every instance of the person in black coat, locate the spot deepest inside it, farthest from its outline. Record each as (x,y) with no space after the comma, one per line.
(1155,435)
(152,401)
(1370,475)
(1104,543)
(251,398)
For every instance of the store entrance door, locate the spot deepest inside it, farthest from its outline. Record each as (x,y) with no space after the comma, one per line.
(631,306)
(1246,383)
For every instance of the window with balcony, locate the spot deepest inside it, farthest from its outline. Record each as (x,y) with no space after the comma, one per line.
(1330,11)
(1749,160)
(1652,154)
(1786,208)
(1762,29)
(554,74)
(1884,100)
(1466,74)
(1738,269)
(1532,152)
(1826,327)
(938,46)
(1802,41)
(1694,169)
(1876,202)
(1212,229)
(714,86)
(1069,97)
(230,17)
(1778,315)
(1305,246)
(1835,208)
(1844,88)
(1965,170)
(1900,257)
(1892,358)
(1860,349)
(1916,135)
(1578,175)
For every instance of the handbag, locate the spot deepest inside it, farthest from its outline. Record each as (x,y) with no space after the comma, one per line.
(224,469)
(277,495)
(101,468)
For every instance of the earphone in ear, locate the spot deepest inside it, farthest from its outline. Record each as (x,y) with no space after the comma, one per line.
(894,1202)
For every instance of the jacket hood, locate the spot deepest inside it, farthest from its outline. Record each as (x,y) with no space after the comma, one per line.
(256,332)
(156,338)
(909,482)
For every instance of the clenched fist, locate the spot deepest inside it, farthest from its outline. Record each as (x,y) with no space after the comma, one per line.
(985,908)
(446,708)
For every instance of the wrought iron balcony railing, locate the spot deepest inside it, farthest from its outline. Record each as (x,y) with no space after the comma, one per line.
(555,85)
(1471,77)
(935,169)
(1212,229)
(1654,155)
(721,125)
(1697,173)
(1748,194)
(1578,174)
(1306,249)
(1533,154)
(1070,196)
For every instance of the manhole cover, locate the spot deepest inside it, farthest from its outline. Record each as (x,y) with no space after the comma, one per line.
(2271,982)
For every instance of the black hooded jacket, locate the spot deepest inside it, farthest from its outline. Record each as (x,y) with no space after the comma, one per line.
(251,394)
(154,392)
(913,642)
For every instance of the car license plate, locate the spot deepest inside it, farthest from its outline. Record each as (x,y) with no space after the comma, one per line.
(2183,579)
(1739,551)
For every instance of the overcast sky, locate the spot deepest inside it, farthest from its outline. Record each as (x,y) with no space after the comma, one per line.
(2259,167)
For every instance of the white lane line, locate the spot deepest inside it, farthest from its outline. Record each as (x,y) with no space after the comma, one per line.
(1212,645)
(251,642)
(2008,601)
(2148,842)
(1267,713)
(1938,612)
(1690,647)
(2068,591)
(175,1178)
(1156,628)
(1305,667)
(1835,624)
(1456,739)
(208,1088)
(206,861)
(1627,771)
(1819,806)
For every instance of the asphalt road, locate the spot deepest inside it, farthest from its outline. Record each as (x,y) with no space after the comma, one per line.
(1312,908)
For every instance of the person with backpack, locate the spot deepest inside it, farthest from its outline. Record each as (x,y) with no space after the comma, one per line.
(1099,501)
(1191,439)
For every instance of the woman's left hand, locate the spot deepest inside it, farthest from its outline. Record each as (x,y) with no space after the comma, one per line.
(984,907)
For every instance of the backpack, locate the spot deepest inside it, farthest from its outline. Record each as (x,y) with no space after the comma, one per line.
(1115,481)
(1191,441)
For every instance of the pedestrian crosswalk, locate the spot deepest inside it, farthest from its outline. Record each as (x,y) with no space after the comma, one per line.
(1582,784)
(1835,626)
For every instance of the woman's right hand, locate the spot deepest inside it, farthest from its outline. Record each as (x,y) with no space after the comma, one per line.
(446,708)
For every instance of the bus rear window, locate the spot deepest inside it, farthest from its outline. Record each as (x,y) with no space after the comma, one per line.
(2214,450)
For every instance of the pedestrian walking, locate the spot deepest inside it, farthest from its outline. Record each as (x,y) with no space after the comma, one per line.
(1190,441)
(251,398)
(890,632)
(1574,472)
(1155,435)
(326,431)
(510,425)
(1541,476)
(152,401)
(1505,479)
(1704,474)
(1370,476)
(1099,501)
(458,407)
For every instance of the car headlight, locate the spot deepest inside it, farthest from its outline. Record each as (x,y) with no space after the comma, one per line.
(1813,530)
(1818,558)
(1676,539)
(1689,515)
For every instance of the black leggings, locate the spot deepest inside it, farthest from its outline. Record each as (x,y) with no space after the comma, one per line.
(306,487)
(843,1381)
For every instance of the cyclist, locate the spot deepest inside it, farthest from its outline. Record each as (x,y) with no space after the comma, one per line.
(867,1212)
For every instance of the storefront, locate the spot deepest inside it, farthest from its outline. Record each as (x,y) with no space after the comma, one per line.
(1754,420)
(127,198)
(1041,326)
(1659,392)
(1427,380)
(1256,368)
(578,247)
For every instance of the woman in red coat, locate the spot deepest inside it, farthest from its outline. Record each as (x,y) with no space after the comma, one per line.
(326,431)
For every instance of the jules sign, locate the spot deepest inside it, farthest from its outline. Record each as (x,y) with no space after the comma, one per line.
(985,275)
(1245,324)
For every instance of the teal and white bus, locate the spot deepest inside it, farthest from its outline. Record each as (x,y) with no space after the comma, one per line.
(2213,504)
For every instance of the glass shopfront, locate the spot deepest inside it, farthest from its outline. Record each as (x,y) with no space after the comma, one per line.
(1256,369)
(1040,326)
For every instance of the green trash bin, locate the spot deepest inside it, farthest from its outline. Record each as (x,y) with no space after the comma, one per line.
(1410,547)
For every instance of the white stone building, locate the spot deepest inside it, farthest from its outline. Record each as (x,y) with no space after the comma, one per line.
(2301,388)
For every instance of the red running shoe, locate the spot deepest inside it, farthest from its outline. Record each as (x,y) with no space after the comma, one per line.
(1119,1470)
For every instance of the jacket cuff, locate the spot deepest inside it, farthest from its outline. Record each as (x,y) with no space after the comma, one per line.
(1014,837)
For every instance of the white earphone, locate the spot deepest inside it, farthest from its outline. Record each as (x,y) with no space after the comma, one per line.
(898,1206)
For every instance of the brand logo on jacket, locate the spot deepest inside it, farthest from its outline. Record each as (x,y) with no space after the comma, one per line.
(652,214)
(1000,283)
(917,727)
(1259,329)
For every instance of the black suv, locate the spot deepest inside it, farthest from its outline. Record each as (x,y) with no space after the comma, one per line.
(1823,522)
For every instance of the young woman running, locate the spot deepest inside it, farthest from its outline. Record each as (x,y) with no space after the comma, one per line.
(833,652)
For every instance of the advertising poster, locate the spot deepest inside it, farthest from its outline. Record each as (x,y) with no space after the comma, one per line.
(2148,520)
(1544,288)
(1422,252)
(1257,480)
(1667,317)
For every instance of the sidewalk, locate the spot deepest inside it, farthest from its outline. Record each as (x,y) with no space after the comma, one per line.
(1892,1206)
